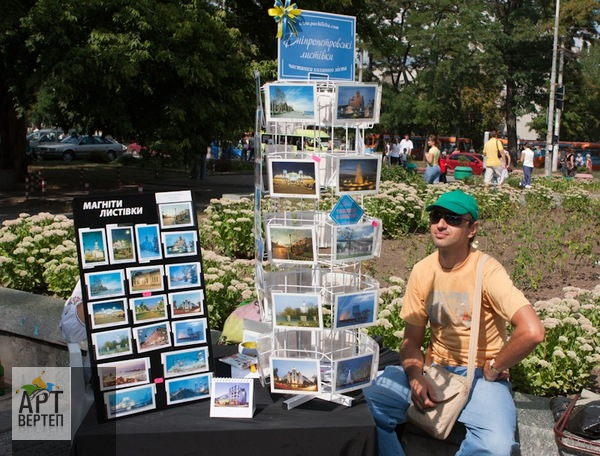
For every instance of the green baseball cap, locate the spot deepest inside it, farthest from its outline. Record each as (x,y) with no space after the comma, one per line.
(458,202)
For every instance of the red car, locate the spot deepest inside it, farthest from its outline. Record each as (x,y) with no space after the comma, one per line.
(473,161)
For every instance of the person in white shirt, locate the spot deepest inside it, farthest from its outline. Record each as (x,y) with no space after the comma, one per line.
(527,156)
(407,144)
(395,153)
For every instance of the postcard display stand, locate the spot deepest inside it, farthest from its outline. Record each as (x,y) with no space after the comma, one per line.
(314,292)
(143,295)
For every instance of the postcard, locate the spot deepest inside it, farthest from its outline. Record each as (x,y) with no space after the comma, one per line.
(123,374)
(353,310)
(152,337)
(121,245)
(187,389)
(110,344)
(92,243)
(185,362)
(183,275)
(176,215)
(145,279)
(180,243)
(104,314)
(148,243)
(239,360)
(290,102)
(295,376)
(354,242)
(292,244)
(353,373)
(357,103)
(105,284)
(187,303)
(293,178)
(129,401)
(186,332)
(149,308)
(358,174)
(232,398)
(297,310)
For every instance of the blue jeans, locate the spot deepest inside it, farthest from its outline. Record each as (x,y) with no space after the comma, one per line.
(432,174)
(490,415)
(527,175)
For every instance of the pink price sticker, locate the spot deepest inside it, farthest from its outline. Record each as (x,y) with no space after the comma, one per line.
(374,223)
(145,294)
(159,380)
(316,158)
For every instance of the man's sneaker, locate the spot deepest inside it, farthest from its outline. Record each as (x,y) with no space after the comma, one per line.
(528,186)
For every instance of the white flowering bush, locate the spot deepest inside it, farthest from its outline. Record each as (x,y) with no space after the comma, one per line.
(229,227)
(388,325)
(228,282)
(399,206)
(38,254)
(562,363)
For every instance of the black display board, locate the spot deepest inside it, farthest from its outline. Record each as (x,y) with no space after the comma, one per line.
(144,299)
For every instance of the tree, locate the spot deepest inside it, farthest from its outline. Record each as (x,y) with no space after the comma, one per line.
(150,69)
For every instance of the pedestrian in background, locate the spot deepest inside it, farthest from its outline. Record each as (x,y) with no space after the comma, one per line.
(432,157)
(492,151)
(527,156)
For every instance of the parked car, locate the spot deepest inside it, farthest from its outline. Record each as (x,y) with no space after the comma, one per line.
(473,161)
(43,138)
(77,147)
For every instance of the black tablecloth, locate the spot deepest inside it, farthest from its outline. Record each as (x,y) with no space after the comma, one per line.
(314,428)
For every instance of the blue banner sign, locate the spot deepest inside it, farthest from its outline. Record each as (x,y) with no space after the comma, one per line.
(324,48)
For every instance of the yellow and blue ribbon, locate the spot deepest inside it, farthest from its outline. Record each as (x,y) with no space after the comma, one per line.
(287,16)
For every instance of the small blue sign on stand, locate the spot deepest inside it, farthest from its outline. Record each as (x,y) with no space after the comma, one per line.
(346,211)
(324,48)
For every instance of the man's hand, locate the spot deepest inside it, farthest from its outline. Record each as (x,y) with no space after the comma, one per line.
(422,393)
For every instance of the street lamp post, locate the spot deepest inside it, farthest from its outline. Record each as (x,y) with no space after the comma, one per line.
(549,135)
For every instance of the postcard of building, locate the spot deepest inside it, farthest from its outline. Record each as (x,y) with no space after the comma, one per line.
(297,310)
(123,374)
(104,314)
(110,344)
(232,398)
(187,332)
(129,401)
(353,373)
(149,308)
(187,303)
(183,275)
(176,215)
(354,310)
(152,337)
(92,243)
(187,389)
(121,244)
(148,242)
(185,362)
(145,279)
(105,284)
(295,375)
(180,243)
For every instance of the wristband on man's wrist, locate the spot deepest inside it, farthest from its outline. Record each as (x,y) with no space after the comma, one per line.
(493,369)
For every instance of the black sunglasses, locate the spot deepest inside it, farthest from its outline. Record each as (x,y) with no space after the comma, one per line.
(451,219)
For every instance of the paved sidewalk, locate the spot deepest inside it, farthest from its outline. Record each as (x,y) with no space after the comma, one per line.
(14,202)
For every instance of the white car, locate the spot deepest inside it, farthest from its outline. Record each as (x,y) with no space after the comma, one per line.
(77,147)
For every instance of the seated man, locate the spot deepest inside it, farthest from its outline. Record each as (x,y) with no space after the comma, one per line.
(440,293)
(72,322)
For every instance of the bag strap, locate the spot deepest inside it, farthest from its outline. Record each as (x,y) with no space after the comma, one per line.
(475,317)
